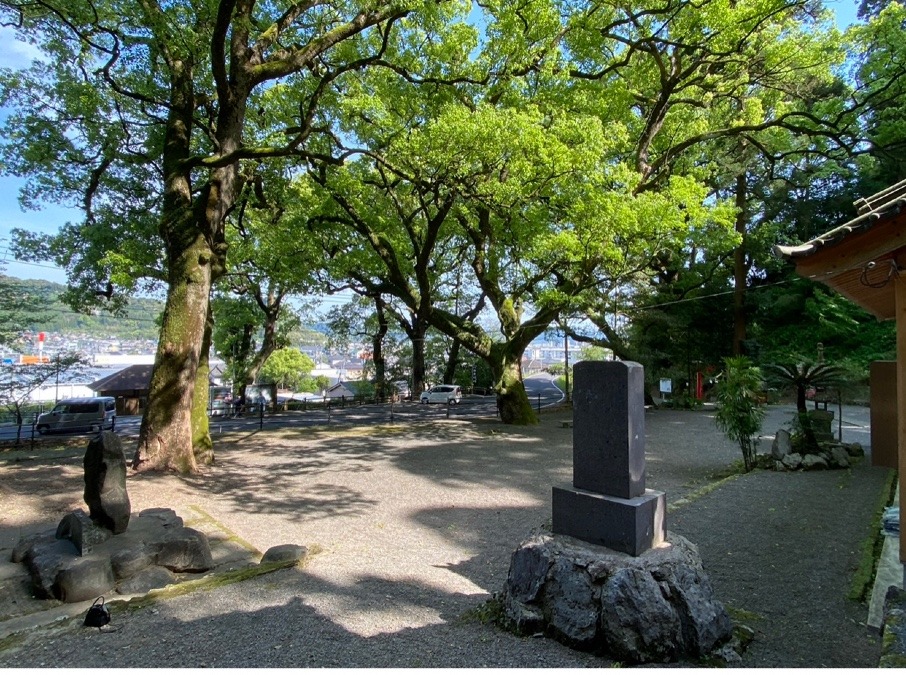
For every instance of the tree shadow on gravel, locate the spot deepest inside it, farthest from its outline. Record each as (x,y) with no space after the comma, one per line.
(489,534)
(37,494)
(783,548)
(290,619)
(494,457)
(307,480)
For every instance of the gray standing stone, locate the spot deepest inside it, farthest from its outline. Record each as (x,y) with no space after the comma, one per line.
(607,503)
(105,482)
(284,553)
(609,428)
(82,531)
(782,445)
(821,421)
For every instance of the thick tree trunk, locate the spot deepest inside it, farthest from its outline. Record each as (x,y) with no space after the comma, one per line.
(512,400)
(452,361)
(417,337)
(739,270)
(202,444)
(382,388)
(166,434)
(268,344)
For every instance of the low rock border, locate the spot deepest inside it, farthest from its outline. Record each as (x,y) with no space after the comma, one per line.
(832,455)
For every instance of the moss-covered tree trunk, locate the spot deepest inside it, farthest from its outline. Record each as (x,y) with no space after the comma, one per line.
(202,444)
(383,389)
(452,361)
(512,399)
(192,222)
(166,434)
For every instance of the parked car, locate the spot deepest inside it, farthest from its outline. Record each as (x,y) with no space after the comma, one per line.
(442,393)
(79,414)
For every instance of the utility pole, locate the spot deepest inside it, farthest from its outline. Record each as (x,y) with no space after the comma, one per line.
(566,361)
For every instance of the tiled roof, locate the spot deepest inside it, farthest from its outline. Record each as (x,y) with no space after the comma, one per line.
(871,210)
(128,379)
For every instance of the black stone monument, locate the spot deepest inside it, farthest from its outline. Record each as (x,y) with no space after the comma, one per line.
(608,503)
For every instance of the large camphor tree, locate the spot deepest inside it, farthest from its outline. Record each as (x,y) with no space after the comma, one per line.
(151,107)
(577,164)
(730,93)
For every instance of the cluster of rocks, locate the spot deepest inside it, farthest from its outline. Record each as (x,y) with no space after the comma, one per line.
(110,549)
(82,560)
(107,549)
(654,608)
(831,455)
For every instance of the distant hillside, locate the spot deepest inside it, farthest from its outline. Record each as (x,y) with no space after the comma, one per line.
(139,324)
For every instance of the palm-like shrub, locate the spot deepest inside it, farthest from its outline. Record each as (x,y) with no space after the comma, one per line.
(739,409)
(802,376)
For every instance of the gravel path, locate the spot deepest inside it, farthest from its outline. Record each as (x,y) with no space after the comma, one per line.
(413,528)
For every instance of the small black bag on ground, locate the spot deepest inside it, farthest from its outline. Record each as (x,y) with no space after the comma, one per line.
(98,614)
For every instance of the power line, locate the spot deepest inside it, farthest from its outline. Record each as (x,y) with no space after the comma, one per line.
(711,295)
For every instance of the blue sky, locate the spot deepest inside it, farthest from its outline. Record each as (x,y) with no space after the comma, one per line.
(52,217)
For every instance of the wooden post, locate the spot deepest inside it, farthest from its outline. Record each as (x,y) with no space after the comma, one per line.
(900,295)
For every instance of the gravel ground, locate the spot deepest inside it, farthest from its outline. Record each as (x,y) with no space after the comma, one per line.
(413,527)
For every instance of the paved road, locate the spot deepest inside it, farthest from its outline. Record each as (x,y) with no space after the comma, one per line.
(540,387)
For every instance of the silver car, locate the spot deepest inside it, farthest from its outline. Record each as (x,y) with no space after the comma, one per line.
(450,394)
(79,414)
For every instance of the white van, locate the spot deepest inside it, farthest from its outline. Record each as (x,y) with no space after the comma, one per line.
(79,414)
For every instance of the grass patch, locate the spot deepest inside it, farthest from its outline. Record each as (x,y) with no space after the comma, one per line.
(701,492)
(735,468)
(11,641)
(488,613)
(870,548)
(742,615)
(231,536)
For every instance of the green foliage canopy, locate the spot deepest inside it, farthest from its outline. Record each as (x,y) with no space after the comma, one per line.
(288,368)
